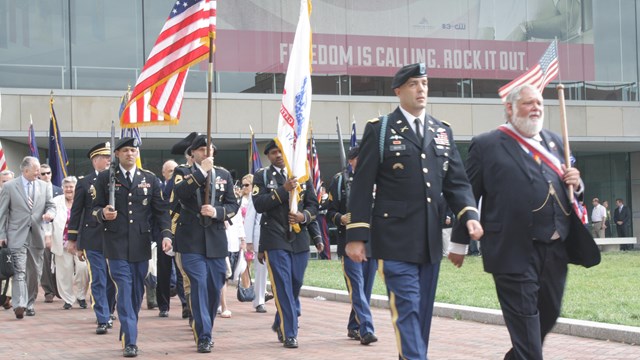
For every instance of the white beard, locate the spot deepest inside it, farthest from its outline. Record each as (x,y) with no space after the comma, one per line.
(526,126)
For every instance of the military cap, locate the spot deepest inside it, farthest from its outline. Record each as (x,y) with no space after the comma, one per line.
(407,72)
(128,141)
(270,145)
(200,141)
(353,152)
(103,148)
(181,146)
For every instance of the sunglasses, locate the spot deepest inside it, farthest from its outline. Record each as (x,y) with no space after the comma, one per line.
(45,173)
(246,185)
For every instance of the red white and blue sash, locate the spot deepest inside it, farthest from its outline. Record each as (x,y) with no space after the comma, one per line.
(538,151)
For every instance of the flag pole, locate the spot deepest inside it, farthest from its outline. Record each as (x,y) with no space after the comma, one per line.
(565,133)
(209,105)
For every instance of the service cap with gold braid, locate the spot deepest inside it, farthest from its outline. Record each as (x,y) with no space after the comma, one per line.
(103,148)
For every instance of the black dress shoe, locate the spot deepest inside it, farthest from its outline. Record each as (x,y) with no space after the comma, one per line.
(82,303)
(185,312)
(163,313)
(204,346)
(130,351)
(19,312)
(101,329)
(368,338)
(261,309)
(291,343)
(66,306)
(30,312)
(112,317)
(109,324)
(268,297)
(278,331)
(353,334)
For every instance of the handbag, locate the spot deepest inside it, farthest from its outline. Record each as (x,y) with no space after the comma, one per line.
(6,264)
(245,294)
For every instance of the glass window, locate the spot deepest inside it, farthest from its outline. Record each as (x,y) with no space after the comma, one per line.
(34,43)
(106,48)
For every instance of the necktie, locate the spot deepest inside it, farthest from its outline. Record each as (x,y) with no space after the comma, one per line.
(418,129)
(30,194)
(127,175)
(283,173)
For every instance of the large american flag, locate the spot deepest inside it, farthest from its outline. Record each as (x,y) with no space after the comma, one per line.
(540,75)
(183,41)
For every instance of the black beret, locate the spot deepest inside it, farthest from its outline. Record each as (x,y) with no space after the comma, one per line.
(270,145)
(128,141)
(181,146)
(353,152)
(407,72)
(200,141)
(103,148)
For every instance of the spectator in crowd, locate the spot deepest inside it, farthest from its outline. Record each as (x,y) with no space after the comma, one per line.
(25,202)
(48,279)
(607,222)
(252,238)
(164,262)
(235,243)
(598,217)
(70,271)
(622,218)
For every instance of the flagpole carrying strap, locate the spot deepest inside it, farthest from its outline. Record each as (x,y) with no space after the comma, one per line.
(383,133)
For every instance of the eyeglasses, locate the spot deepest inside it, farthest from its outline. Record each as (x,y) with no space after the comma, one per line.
(45,173)
(246,185)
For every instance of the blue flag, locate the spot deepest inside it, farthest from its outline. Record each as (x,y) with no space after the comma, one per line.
(58,160)
(256,163)
(33,146)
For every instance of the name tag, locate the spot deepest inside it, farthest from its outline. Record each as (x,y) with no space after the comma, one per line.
(397,147)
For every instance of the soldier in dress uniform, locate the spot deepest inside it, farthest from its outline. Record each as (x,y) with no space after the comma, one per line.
(359,277)
(181,148)
(414,163)
(201,238)
(85,235)
(127,233)
(285,250)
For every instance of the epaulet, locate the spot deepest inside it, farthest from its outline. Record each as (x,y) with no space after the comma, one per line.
(374,120)
(262,169)
(80,177)
(337,175)
(219,167)
(184,166)
(445,123)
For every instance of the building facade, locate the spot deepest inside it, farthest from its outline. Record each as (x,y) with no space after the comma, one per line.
(88,52)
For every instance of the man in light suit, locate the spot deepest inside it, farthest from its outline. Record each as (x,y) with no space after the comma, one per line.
(25,203)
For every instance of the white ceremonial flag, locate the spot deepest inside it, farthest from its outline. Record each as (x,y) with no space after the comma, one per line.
(293,120)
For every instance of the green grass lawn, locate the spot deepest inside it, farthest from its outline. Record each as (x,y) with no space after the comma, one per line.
(609,292)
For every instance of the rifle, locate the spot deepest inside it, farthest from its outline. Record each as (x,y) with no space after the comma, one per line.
(112,169)
(344,165)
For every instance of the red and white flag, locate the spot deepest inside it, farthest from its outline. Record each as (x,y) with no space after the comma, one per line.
(540,75)
(3,160)
(184,40)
